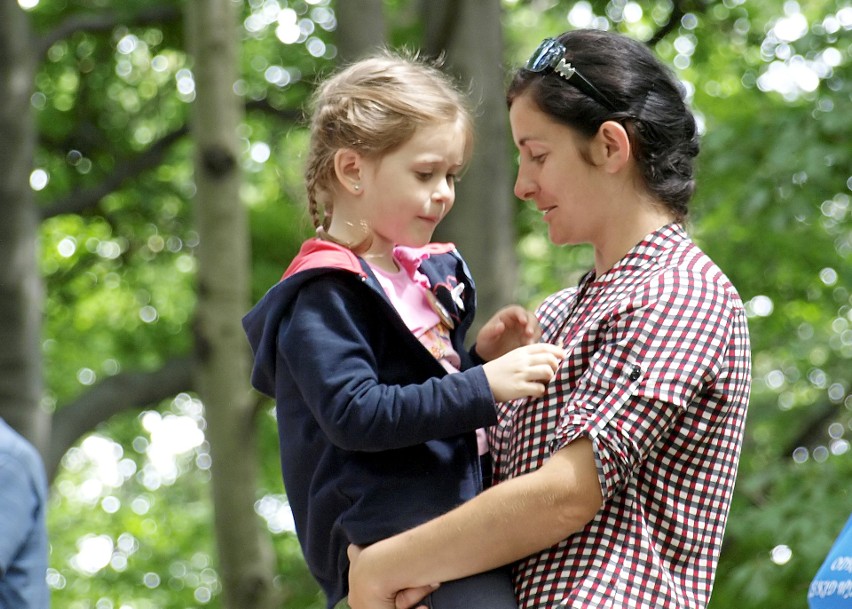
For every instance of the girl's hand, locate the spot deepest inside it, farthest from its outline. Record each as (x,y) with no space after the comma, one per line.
(523,372)
(509,328)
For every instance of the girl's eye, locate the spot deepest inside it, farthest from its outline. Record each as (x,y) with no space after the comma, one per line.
(425,176)
(538,158)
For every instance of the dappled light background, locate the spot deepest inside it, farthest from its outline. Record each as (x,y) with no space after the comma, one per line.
(130,513)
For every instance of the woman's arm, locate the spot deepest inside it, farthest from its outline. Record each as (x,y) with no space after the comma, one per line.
(505,523)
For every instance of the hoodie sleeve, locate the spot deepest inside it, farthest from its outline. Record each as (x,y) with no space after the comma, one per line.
(338,354)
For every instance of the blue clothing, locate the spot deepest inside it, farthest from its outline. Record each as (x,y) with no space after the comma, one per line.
(489,590)
(375,436)
(23,533)
(832,586)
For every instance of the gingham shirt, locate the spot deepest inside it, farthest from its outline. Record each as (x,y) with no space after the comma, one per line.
(657,377)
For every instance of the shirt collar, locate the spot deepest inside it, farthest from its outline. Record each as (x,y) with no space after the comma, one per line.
(643,254)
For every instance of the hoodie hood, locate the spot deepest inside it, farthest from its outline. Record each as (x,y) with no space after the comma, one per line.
(317,257)
(316,254)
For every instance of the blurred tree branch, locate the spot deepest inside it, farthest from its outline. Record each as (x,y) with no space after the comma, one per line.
(80,200)
(120,393)
(104,21)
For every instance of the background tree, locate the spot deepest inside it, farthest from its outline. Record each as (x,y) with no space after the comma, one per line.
(221,352)
(108,171)
(482,224)
(20,284)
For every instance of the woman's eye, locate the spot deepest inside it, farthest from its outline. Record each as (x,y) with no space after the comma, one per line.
(424,175)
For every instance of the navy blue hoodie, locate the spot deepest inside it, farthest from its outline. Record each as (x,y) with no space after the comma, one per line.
(375,436)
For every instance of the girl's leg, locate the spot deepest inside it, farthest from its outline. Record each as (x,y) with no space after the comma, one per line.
(491,590)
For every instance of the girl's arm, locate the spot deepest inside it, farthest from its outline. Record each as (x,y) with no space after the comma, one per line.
(370,392)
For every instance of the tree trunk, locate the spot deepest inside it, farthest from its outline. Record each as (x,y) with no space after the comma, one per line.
(482,222)
(21,291)
(360,28)
(245,554)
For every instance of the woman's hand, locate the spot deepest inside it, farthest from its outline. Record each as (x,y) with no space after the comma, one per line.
(365,591)
(508,328)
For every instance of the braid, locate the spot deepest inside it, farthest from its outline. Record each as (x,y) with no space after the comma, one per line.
(320,214)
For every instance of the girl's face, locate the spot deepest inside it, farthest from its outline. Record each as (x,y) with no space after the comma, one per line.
(409,190)
(553,175)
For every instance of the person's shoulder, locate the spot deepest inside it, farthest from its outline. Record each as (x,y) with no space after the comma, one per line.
(16,452)
(687,269)
(10,440)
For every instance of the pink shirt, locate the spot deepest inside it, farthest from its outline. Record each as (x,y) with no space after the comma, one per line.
(408,291)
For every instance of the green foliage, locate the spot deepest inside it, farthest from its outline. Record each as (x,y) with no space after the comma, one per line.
(112,106)
(137,507)
(784,519)
(772,208)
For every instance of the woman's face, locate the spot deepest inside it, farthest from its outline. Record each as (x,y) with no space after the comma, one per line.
(553,175)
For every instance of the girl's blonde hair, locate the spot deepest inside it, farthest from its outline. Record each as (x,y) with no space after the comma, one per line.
(372,107)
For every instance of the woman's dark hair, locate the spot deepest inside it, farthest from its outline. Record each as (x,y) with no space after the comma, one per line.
(648,98)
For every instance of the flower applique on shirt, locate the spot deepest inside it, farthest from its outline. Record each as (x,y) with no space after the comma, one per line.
(410,293)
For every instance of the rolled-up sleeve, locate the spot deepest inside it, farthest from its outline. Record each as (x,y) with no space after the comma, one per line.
(649,358)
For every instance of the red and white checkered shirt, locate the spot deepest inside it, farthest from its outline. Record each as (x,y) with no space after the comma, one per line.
(657,377)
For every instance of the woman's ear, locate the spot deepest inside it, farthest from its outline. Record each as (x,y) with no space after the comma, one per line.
(347,167)
(611,147)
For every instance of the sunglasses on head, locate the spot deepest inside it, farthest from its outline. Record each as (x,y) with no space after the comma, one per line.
(550,55)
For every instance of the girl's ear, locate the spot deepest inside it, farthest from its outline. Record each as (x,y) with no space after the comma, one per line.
(611,147)
(347,167)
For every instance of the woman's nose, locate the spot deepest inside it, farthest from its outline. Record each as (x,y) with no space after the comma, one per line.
(524,186)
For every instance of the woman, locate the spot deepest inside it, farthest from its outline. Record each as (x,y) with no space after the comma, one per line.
(613,489)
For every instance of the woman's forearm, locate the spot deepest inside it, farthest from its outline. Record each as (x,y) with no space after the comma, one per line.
(507,522)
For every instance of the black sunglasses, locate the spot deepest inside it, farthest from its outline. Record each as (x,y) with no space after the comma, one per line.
(550,55)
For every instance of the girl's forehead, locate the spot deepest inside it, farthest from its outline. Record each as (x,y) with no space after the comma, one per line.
(441,138)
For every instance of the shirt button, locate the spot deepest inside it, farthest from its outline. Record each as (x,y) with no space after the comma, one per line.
(635,373)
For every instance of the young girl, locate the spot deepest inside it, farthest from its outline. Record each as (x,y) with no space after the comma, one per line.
(362,342)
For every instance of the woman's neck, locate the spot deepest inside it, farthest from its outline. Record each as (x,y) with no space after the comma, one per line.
(624,235)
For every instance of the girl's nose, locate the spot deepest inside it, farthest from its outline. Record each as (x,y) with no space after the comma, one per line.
(444,192)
